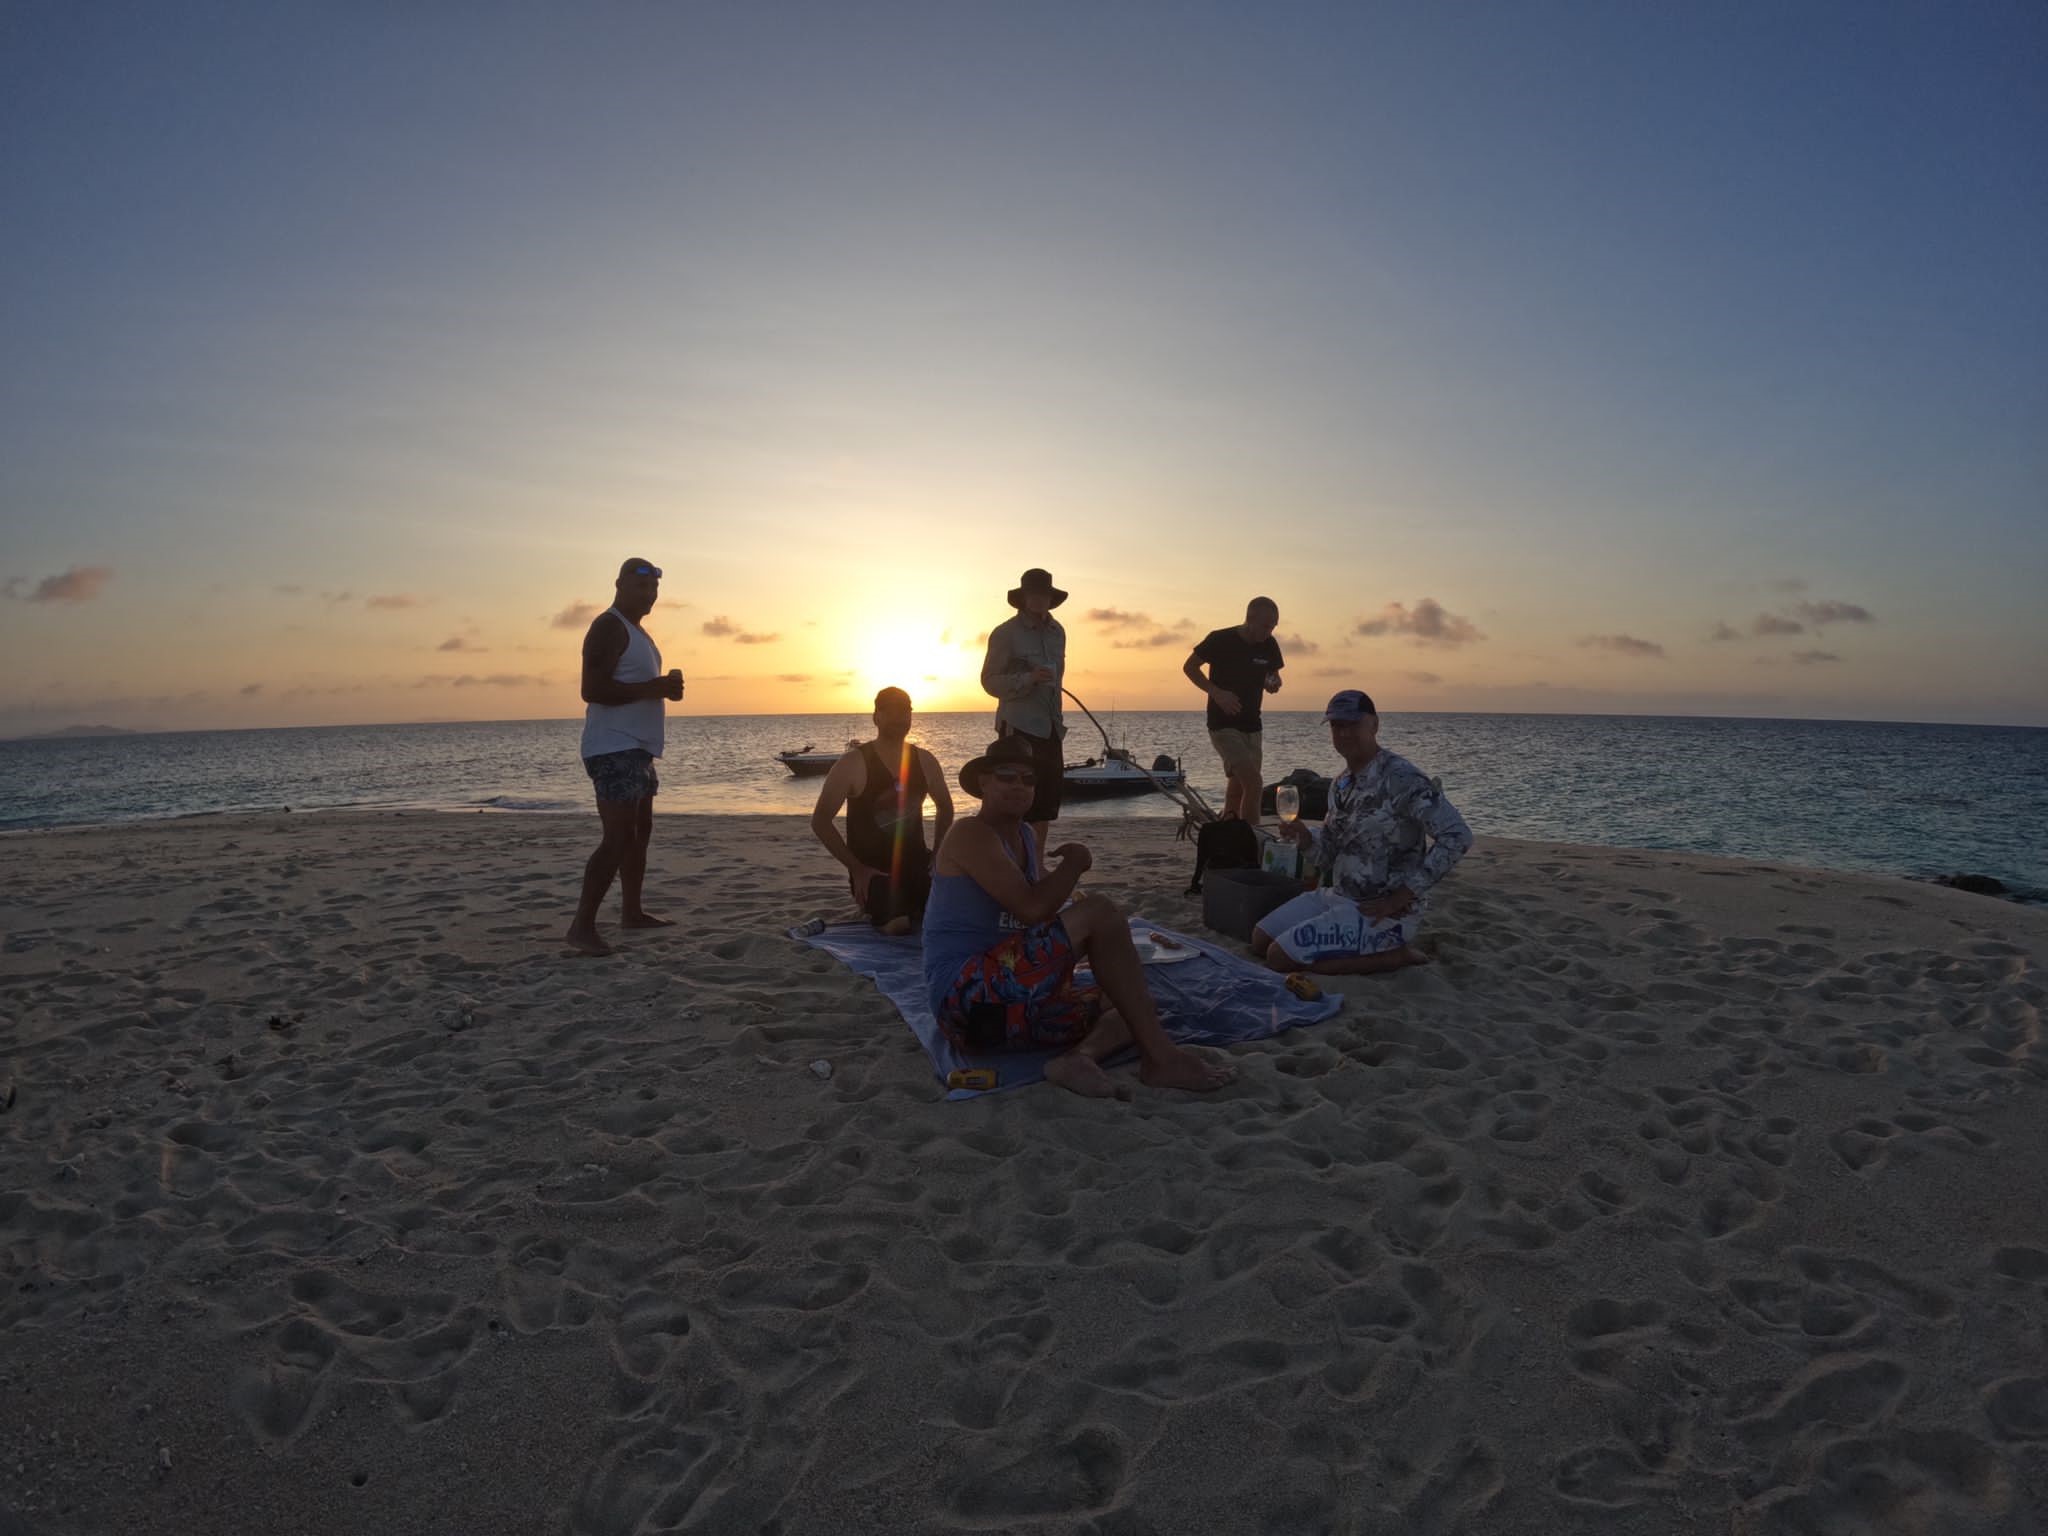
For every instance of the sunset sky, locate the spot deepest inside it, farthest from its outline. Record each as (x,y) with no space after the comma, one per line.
(1597,357)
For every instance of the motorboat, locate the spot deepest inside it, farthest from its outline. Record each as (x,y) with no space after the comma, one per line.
(808,763)
(1118,772)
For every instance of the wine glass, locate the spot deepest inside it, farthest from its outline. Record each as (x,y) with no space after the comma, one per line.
(1287,801)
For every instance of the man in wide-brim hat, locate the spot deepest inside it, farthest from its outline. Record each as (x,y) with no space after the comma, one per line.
(1023,671)
(999,951)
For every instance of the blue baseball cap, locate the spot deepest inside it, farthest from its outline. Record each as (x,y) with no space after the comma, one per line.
(1351,704)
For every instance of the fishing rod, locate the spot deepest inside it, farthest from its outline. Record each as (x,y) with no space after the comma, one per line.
(1189,799)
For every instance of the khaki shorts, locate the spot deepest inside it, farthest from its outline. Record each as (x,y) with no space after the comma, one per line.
(1241,751)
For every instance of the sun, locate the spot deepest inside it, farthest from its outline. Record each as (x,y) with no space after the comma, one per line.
(913,654)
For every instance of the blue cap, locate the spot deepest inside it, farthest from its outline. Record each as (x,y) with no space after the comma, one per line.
(1351,704)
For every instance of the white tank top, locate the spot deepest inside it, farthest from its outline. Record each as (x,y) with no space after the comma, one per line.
(622,727)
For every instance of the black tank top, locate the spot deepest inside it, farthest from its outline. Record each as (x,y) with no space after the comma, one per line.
(889,807)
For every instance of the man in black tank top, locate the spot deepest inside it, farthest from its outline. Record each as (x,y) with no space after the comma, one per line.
(883,784)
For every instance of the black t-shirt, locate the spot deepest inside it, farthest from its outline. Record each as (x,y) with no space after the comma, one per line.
(1240,666)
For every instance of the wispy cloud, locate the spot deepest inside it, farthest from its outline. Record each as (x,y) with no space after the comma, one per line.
(1118,618)
(486,680)
(1814,658)
(1723,630)
(792,677)
(575,616)
(458,643)
(1428,621)
(250,690)
(1623,645)
(1788,584)
(1427,679)
(392,602)
(1157,638)
(1822,614)
(720,627)
(1296,645)
(79,584)
(747,638)
(1775,624)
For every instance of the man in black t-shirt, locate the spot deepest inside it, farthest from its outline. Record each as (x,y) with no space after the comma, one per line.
(1244,663)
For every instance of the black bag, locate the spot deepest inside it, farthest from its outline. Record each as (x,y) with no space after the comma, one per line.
(1223,845)
(1315,794)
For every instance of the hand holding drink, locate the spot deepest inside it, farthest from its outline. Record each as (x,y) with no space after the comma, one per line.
(675,683)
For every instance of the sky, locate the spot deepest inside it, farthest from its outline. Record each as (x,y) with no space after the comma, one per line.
(1605,358)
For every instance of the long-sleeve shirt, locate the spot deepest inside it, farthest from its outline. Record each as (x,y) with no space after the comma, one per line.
(1014,648)
(1389,825)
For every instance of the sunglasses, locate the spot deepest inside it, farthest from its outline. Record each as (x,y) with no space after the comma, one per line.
(644,569)
(1013,775)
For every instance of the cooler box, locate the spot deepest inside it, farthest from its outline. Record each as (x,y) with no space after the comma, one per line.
(1233,900)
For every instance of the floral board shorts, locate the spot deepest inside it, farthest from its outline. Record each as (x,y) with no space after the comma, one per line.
(1020,996)
(626,776)
(1322,925)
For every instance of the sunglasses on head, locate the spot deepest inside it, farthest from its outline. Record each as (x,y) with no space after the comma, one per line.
(644,569)
(1013,775)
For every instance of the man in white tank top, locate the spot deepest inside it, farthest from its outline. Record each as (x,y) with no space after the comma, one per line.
(624,690)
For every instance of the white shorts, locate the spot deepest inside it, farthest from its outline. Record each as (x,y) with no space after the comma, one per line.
(1322,925)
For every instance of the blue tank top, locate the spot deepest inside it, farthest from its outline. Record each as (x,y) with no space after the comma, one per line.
(961,920)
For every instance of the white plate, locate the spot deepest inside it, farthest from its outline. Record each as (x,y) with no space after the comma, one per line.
(1152,954)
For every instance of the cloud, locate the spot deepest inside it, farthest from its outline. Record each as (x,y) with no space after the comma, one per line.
(1723,630)
(1623,645)
(1428,621)
(719,626)
(792,677)
(749,639)
(79,584)
(1814,658)
(290,589)
(1788,584)
(457,643)
(487,680)
(1819,614)
(1334,672)
(391,602)
(1295,645)
(1775,624)
(1427,679)
(1118,618)
(1158,637)
(575,616)
(250,690)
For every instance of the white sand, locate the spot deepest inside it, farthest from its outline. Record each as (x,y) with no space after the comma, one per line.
(1679,1195)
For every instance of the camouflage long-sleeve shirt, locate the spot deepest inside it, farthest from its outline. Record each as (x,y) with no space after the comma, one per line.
(1389,825)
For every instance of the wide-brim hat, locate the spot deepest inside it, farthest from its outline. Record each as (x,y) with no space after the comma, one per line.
(1003,752)
(1035,580)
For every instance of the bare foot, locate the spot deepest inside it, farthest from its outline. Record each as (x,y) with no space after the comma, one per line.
(586,942)
(1184,1069)
(896,927)
(1084,1075)
(1412,956)
(645,920)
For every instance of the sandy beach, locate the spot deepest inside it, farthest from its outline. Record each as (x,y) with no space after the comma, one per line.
(1677,1195)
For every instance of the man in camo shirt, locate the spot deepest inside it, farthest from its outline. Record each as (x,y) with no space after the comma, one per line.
(1389,838)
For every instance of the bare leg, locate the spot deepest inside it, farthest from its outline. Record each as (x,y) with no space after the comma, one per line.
(1233,798)
(1371,965)
(1080,1070)
(633,872)
(1099,931)
(617,820)
(1248,790)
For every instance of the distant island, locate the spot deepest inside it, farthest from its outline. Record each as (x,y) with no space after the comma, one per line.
(80,730)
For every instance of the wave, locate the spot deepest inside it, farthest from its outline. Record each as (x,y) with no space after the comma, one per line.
(527,803)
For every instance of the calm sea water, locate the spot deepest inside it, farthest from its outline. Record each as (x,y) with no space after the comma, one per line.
(1906,799)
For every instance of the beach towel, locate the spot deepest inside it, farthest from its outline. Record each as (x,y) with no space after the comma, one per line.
(1217,998)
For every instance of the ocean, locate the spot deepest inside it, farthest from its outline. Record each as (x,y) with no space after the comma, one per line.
(1901,799)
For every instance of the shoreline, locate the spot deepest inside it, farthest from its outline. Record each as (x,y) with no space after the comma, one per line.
(2014,894)
(334,1196)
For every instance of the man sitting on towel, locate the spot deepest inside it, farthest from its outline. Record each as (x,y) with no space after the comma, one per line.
(1390,836)
(884,784)
(999,951)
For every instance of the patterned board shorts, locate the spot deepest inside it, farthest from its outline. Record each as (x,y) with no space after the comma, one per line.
(623,777)
(1321,925)
(1021,996)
